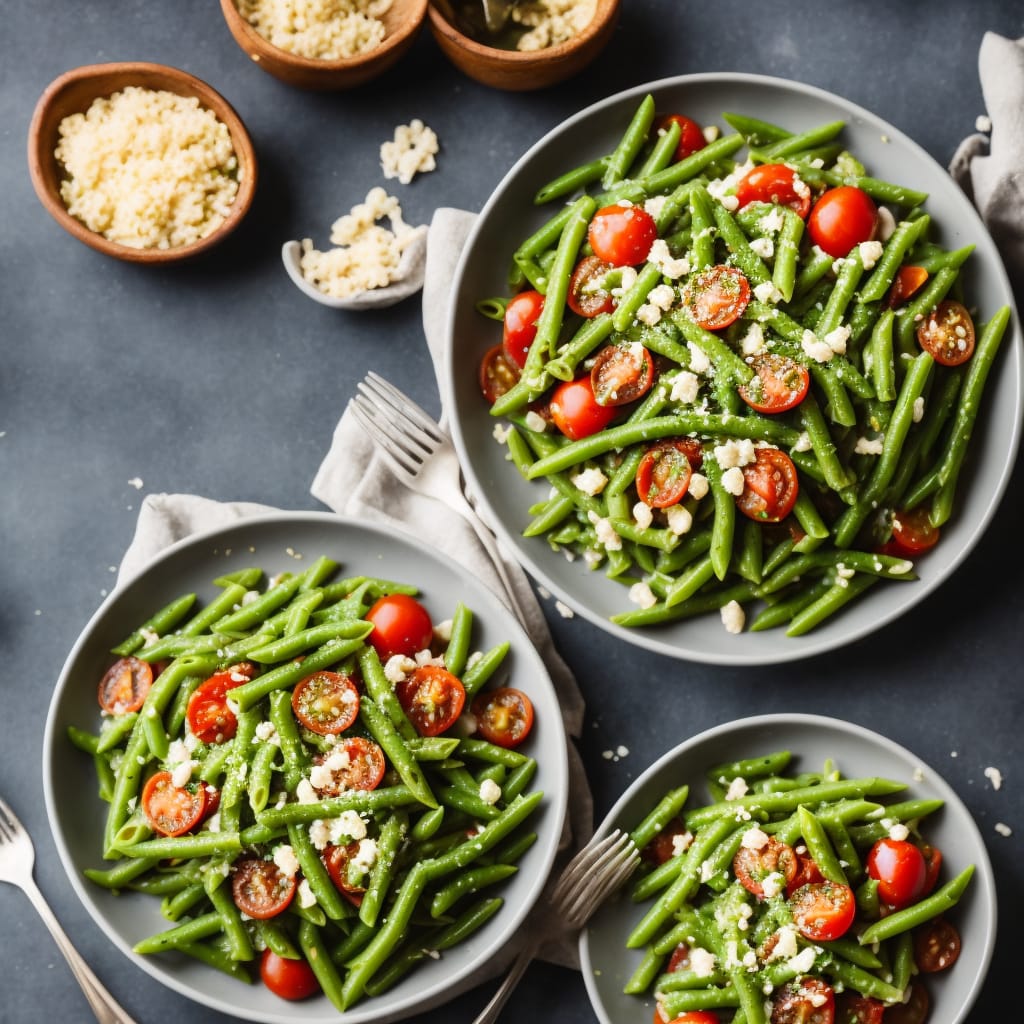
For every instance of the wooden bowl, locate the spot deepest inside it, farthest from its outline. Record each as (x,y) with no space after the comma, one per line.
(402,22)
(517,71)
(73,92)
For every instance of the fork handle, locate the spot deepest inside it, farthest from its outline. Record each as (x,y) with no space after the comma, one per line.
(490,1013)
(103,1004)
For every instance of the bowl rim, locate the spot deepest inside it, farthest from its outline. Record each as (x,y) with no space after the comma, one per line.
(208,97)
(555,796)
(984,875)
(649,638)
(238,23)
(605,11)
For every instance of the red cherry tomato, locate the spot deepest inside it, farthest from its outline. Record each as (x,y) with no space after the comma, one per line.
(350,884)
(326,702)
(621,374)
(717,297)
(770,486)
(774,183)
(691,1017)
(503,716)
(899,868)
(663,846)
(588,295)
(520,325)
(401,625)
(691,135)
(752,867)
(289,979)
(808,1000)
(842,218)
(622,235)
(172,810)
(363,769)
(432,698)
(912,533)
(664,473)
(260,888)
(806,872)
(779,383)
(947,333)
(209,717)
(124,686)
(913,1011)
(932,865)
(936,946)
(823,911)
(498,374)
(852,1008)
(907,281)
(576,411)
(679,960)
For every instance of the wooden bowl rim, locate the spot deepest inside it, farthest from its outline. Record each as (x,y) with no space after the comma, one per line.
(41,151)
(265,48)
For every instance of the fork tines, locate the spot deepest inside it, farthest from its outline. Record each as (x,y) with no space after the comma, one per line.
(390,401)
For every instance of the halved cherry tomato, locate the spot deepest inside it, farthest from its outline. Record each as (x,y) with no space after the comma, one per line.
(432,698)
(519,327)
(326,702)
(664,473)
(936,945)
(622,235)
(663,846)
(808,1000)
(717,297)
(899,868)
(752,867)
(124,686)
(908,280)
(336,859)
(774,183)
(947,333)
(363,769)
(932,866)
(289,979)
(679,960)
(691,1017)
(779,383)
(913,1011)
(842,218)
(401,625)
(621,374)
(172,810)
(806,872)
(576,411)
(209,717)
(852,1008)
(691,135)
(587,294)
(503,716)
(260,888)
(823,911)
(498,374)
(912,533)
(770,486)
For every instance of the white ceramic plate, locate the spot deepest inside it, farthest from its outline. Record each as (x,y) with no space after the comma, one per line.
(858,752)
(510,216)
(76,815)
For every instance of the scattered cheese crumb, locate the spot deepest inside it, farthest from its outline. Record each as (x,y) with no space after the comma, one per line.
(642,595)
(738,786)
(870,253)
(490,791)
(995,776)
(1003,830)
(590,481)
(733,616)
(698,486)
(411,152)
(136,482)
(564,610)
(733,481)
(983,123)
(679,518)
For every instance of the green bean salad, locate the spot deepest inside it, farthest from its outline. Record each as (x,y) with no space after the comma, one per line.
(793,897)
(324,788)
(750,386)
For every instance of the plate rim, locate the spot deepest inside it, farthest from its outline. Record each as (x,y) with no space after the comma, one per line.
(447,986)
(649,638)
(984,875)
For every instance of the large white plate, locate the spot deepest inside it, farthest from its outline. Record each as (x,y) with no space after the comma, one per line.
(858,752)
(510,216)
(76,815)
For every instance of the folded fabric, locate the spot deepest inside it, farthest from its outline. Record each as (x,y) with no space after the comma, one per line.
(990,168)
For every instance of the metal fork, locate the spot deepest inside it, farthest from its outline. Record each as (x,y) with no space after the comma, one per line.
(423,457)
(17,857)
(585,883)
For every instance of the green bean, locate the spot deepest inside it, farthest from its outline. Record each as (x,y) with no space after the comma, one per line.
(319,959)
(409,771)
(820,847)
(655,820)
(563,185)
(691,166)
(173,938)
(645,973)
(479,671)
(841,593)
(629,146)
(939,902)
(662,152)
(787,253)
(162,622)
(902,240)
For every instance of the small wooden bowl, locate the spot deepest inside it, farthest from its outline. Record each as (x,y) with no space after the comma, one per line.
(73,92)
(517,71)
(402,22)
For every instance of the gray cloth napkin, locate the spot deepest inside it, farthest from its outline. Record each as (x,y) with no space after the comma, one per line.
(355,481)
(990,168)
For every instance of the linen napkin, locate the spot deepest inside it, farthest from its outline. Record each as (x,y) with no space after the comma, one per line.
(989,165)
(354,480)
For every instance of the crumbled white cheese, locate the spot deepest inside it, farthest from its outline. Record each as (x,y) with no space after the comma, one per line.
(886,224)
(535,422)
(685,388)
(365,856)
(754,839)
(836,339)
(182,773)
(606,534)
(563,609)
(870,253)
(869,446)
(737,787)
(702,963)
(649,314)
(773,884)
(772,221)
(305,896)
(490,791)
(1003,830)
(733,481)
(819,351)
(410,152)
(643,515)
(899,832)
(642,595)
(918,413)
(654,205)
(803,961)
(803,442)
(995,776)
(266,733)
(662,296)
(752,342)
(698,486)
(305,793)
(983,123)
(735,452)
(286,861)
(590,481)
(699,362)
(681,842)
(763,247)
(679,518)
(784,947)
(501,432)
(767,292)
(397,667)
(733,618)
